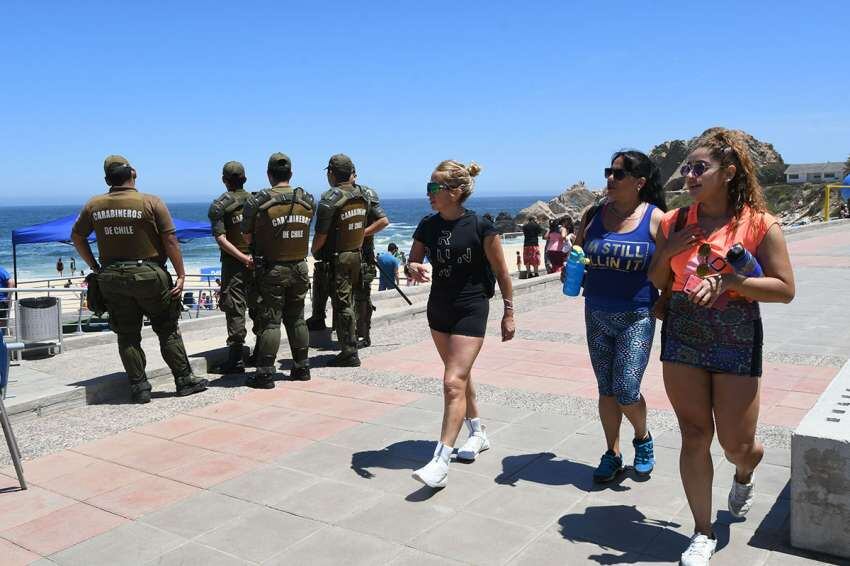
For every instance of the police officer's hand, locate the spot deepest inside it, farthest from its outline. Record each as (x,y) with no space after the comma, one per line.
(418,272)
(508,327)
(177,290)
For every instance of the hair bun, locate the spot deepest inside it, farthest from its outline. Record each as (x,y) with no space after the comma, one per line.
(473,169)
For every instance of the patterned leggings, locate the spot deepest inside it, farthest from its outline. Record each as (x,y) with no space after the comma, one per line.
(619,344)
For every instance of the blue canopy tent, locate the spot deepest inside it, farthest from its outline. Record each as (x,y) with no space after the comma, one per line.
(59,230)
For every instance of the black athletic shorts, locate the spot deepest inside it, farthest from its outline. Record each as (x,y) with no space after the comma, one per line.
(466,317)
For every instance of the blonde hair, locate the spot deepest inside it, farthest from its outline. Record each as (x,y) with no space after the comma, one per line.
(729,147)
(456,175)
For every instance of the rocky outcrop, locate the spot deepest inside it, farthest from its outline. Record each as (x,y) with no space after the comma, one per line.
(505,223)
(571,202)
(671,155)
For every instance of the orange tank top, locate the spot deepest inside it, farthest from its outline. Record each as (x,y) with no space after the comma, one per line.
(749,230)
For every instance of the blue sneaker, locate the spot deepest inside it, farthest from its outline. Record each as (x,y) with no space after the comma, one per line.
(608,468)
(644,455)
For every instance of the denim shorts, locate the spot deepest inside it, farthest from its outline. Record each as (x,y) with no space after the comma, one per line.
(619,345)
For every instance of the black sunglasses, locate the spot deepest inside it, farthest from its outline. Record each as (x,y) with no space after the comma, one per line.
(618,174)
(697,168)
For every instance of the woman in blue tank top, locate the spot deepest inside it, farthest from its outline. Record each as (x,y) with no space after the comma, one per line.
(619,239)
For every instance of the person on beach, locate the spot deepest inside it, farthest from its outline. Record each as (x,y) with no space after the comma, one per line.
(711,339)
(135,235)
(464,250)
(73,266)
(555,239)
(531,231)
(363,306)
(60,267)
(388,264)
(618,237)
(237,263)
(6,282)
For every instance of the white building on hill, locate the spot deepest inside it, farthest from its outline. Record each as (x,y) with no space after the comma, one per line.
(829,172)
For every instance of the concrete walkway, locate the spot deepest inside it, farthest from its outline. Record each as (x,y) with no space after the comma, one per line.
(319,472)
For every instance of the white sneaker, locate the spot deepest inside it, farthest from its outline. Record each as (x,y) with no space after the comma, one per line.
(699,552)
(477,442)
(436,472)
(741,498)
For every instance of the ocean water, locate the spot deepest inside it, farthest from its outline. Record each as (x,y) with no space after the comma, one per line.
(39,260)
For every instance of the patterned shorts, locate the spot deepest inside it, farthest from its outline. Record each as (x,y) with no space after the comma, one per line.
(531,255)
(725,340)
(619,344)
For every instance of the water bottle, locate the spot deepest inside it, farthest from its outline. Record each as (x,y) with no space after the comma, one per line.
(743,262)
(575,271)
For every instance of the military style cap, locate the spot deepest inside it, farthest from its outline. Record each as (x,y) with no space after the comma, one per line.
(112,160)
(280,161)
(341,165)
(233,169)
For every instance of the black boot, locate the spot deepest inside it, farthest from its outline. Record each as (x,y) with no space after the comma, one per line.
(263,378)
(251,362)
(300,374)
(364,342)
(140,391)
(343,360)
(190,385)
(234,363)
(316,324)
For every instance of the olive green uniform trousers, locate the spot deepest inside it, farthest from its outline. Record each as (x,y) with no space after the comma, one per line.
(234,292)
(132,290)
(282,290)
(321,289)
(346,278)
(363,299)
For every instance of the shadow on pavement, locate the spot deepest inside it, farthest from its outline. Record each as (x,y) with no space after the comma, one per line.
(548,469)
(627,531)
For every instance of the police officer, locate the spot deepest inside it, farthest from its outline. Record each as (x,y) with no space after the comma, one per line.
(135,234)
(225,215)
(340,229)
(277,222)
(377,218)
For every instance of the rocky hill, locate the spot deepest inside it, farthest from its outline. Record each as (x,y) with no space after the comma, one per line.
(671,155)
(571,202)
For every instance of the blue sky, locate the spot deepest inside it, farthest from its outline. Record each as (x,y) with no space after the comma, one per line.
(539,93)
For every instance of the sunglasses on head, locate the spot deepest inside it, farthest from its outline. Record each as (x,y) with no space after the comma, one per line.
(618,174)
(697,168)
(705,266)
(434,188)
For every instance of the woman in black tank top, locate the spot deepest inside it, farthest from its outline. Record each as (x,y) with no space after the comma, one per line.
(466,255)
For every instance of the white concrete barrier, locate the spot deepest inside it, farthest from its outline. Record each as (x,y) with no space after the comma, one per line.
(820,472)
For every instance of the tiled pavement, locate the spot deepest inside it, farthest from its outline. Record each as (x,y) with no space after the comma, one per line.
(319,472)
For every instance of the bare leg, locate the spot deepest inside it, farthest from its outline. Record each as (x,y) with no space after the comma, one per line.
(636,413)
(611,416)
(736,411)
(689,390)
(458,354)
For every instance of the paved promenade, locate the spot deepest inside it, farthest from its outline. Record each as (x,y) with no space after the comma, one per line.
(319,472)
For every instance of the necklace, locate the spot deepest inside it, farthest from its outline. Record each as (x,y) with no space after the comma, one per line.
(622,216)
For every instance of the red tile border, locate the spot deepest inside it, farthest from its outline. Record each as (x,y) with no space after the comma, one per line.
(63,528)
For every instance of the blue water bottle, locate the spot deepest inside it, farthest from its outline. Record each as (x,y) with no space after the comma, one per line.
(743,262)
(575,272)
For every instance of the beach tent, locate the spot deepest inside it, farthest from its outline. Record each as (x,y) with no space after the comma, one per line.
(59,230)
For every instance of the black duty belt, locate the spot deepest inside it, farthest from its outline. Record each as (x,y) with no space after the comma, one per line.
(134,262)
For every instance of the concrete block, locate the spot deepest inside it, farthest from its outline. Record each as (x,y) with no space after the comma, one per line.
(820,472)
